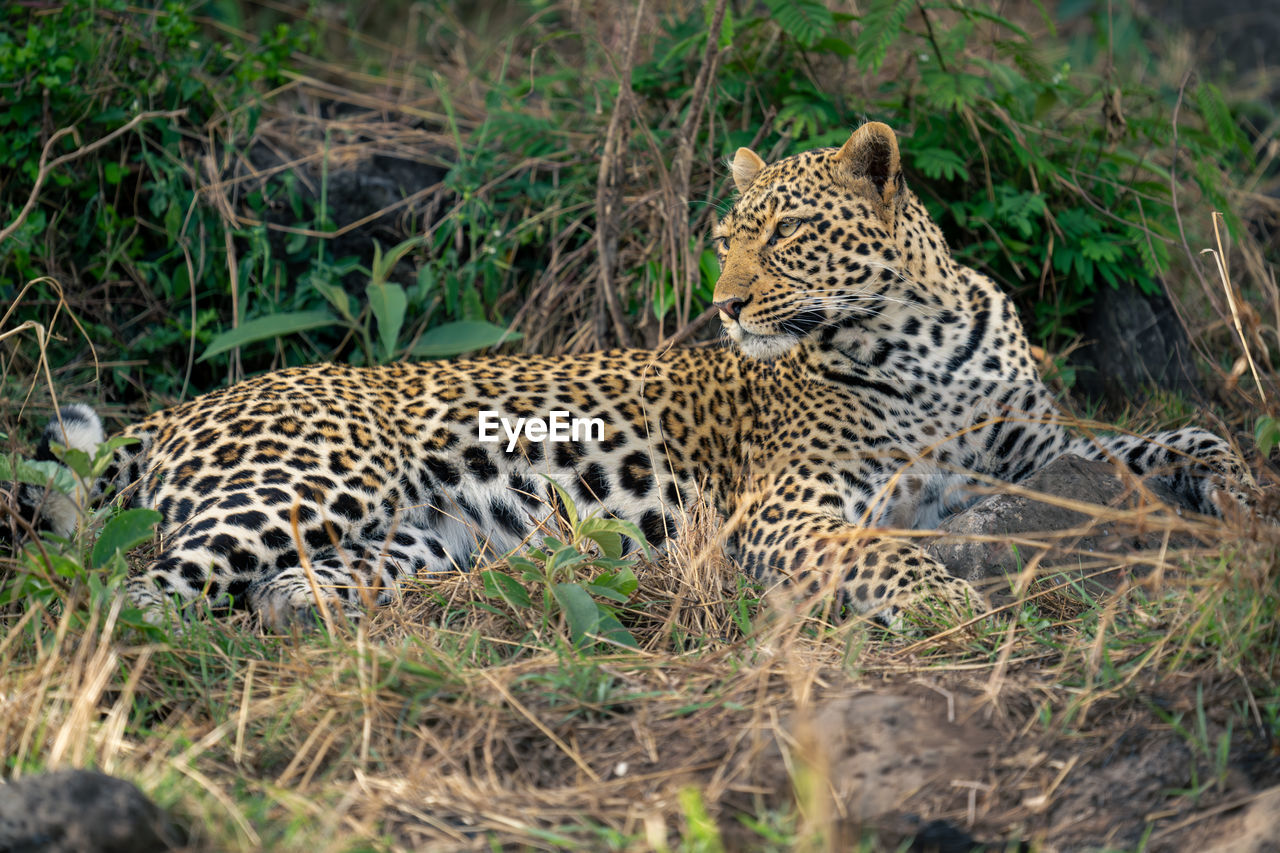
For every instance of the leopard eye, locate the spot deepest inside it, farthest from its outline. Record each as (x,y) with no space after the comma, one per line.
(721,243)
(787,227)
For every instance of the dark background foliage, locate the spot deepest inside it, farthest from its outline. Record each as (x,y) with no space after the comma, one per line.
(339,181)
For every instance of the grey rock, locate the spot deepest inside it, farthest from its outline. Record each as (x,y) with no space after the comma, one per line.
(1134,342)
(979,542)
(80,811)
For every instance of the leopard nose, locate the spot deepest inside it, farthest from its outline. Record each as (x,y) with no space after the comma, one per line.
(731,307)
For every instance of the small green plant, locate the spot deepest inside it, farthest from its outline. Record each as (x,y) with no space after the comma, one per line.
(43,567)
(586,579)
(124,529)
(1215,754)
(701,834)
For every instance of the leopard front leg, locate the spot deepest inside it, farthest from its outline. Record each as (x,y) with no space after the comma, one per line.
(866,572)
(1198,467)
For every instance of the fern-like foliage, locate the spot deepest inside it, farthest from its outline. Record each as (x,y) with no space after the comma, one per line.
(952,91)
(806,21)
(881,26)
(1019,210)
(1222,128)
(940,163)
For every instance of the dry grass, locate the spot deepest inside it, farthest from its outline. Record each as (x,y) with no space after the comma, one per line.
(444,724)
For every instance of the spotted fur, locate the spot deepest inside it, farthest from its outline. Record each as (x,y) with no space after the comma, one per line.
(873,378)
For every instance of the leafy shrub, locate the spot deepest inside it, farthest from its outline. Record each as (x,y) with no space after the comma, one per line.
(1053,176)
(121,232)
(585,580)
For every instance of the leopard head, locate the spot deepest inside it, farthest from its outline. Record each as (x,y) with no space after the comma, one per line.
(816,242)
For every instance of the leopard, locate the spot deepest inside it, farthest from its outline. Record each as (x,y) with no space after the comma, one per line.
(868,383)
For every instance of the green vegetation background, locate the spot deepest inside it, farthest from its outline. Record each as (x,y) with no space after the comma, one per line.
(571,159)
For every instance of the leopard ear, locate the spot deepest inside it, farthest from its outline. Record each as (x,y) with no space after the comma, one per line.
(746,165)
(872,153)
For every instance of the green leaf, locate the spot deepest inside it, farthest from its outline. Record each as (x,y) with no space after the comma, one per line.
(623,580)
(64,566)
(579,609)
(564,559)
(1222,126)
(522,564)
(112,173)
(1045,101)
(606,592)
(609,564)
(36,473)
(337,296)
(1102,250)
(940,163)
(806,21)
(701,830)
(570,510)
(709,268)
(881,26)
(463,336)
(835,47)
(501,585)
(609,540)
(1267,434)
(607,533)
(1019,209)
(727,28)
(611,630)
(974,12)
(264,328)
(388,302)
(951,91)
(384,264)
(75,459)
(129,528)
(105,455)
